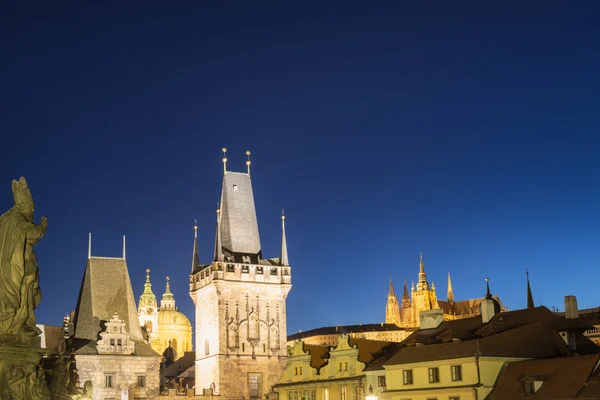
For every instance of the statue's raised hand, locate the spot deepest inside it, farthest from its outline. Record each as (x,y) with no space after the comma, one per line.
(44,223)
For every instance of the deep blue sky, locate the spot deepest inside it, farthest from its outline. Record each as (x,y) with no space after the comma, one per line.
(466,131)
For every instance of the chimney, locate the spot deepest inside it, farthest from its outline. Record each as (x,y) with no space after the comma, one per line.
(571,310)
(431,319)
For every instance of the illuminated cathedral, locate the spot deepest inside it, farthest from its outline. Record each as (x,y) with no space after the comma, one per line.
(423,297)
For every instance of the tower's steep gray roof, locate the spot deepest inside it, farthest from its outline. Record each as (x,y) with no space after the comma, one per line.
(106,289)
(239,226)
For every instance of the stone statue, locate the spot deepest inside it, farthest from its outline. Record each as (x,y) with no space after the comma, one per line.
(19,285)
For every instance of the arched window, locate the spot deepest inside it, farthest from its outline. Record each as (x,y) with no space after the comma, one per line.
(253,326)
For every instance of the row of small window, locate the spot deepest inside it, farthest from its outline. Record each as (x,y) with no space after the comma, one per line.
(119,342)
(306,394)
(246,269)
(435,398)
(109,381)
(311,394)
(434,375)
(297,370)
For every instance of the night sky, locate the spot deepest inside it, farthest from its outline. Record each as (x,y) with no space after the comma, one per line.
(466,131)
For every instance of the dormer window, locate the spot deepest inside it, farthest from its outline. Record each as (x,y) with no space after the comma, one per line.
(532,385)
(529,388)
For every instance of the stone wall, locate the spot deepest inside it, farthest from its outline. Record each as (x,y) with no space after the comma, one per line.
(125,371)
(228,347)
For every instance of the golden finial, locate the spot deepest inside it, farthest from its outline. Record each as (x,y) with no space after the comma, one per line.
(282,214)
(147,274)
(224,150)
(195,224)
(421,256)
(248,161)
(147,270)
(168,279)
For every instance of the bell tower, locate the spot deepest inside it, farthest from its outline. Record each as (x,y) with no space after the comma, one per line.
(240,300)
(148,309)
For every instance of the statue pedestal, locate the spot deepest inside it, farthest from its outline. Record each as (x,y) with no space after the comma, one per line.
(21,374)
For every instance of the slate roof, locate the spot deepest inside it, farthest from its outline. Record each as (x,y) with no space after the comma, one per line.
(239,226)
(563,378)
(341,329)
(105,289)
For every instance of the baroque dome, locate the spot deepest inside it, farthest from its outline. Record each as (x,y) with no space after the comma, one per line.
(174,319)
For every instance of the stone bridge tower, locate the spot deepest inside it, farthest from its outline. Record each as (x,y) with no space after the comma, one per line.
(240,300)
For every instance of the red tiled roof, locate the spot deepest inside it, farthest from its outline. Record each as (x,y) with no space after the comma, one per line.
(563,378)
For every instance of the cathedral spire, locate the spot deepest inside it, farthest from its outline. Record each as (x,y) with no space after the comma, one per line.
(529,296)
(391,292)
(195,259)
(450,292)
(224,150)
(392,308)
(218,250)
(405,297)
(284,253)
(422,285)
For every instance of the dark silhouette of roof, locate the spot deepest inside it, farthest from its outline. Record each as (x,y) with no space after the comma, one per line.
(341,329)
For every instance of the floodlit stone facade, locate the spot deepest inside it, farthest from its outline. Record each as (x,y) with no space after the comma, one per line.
(240,301)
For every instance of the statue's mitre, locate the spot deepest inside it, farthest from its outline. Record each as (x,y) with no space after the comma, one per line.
(21,192)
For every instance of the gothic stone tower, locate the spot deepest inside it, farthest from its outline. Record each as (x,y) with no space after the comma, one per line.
(240,302)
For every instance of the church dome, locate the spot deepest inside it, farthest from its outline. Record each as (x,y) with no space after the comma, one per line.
(170,354)
(173,319)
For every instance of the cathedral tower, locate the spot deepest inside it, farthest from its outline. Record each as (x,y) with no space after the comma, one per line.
(392,310)
(240,300)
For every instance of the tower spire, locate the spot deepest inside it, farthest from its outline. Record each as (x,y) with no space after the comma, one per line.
(392,308)
(450,292)
(391,292)
(248,161)
(529,295)
(405,298)
(218,250)
(168,300)
(148,285)
(284,253)
(90,246)
(422,285)
(124,247)
(224,150)
(488,295)
(195,258)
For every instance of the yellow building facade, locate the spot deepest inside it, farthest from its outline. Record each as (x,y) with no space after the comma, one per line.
(315,372)
(165,325)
